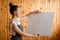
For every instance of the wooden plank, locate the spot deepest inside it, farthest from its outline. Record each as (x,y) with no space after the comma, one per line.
(0,20)
(7,18)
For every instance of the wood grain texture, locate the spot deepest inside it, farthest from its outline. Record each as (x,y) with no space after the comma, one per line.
(27,6)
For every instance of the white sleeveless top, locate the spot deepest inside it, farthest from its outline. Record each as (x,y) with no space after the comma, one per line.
(16,22)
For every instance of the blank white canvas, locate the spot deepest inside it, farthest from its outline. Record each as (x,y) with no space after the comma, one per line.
(40,23)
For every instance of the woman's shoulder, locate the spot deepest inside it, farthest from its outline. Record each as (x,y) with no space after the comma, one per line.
(12,22)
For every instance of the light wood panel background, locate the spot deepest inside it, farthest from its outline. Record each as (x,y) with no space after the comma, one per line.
(27,6)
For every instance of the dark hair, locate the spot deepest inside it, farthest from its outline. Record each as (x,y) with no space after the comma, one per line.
(13,8)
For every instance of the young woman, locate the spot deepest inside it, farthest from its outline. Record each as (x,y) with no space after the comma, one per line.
(15,25)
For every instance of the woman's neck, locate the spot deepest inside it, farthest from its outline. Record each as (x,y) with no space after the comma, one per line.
(13,17)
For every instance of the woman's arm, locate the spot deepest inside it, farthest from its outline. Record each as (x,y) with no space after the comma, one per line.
(34,12)
(17,30)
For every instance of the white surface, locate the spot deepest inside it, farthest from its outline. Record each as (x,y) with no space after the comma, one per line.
(40,23)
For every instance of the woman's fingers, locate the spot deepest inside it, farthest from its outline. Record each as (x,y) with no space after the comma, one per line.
(35,36)
(36,11)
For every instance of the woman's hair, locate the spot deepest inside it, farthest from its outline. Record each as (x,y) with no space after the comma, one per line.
(13,8)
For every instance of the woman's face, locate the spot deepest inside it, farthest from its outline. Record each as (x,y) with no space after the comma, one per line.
(18,12)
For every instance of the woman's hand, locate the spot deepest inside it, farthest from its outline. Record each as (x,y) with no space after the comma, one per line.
(35,36)
(36,11)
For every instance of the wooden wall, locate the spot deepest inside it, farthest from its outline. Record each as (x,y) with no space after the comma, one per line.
(27,6)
